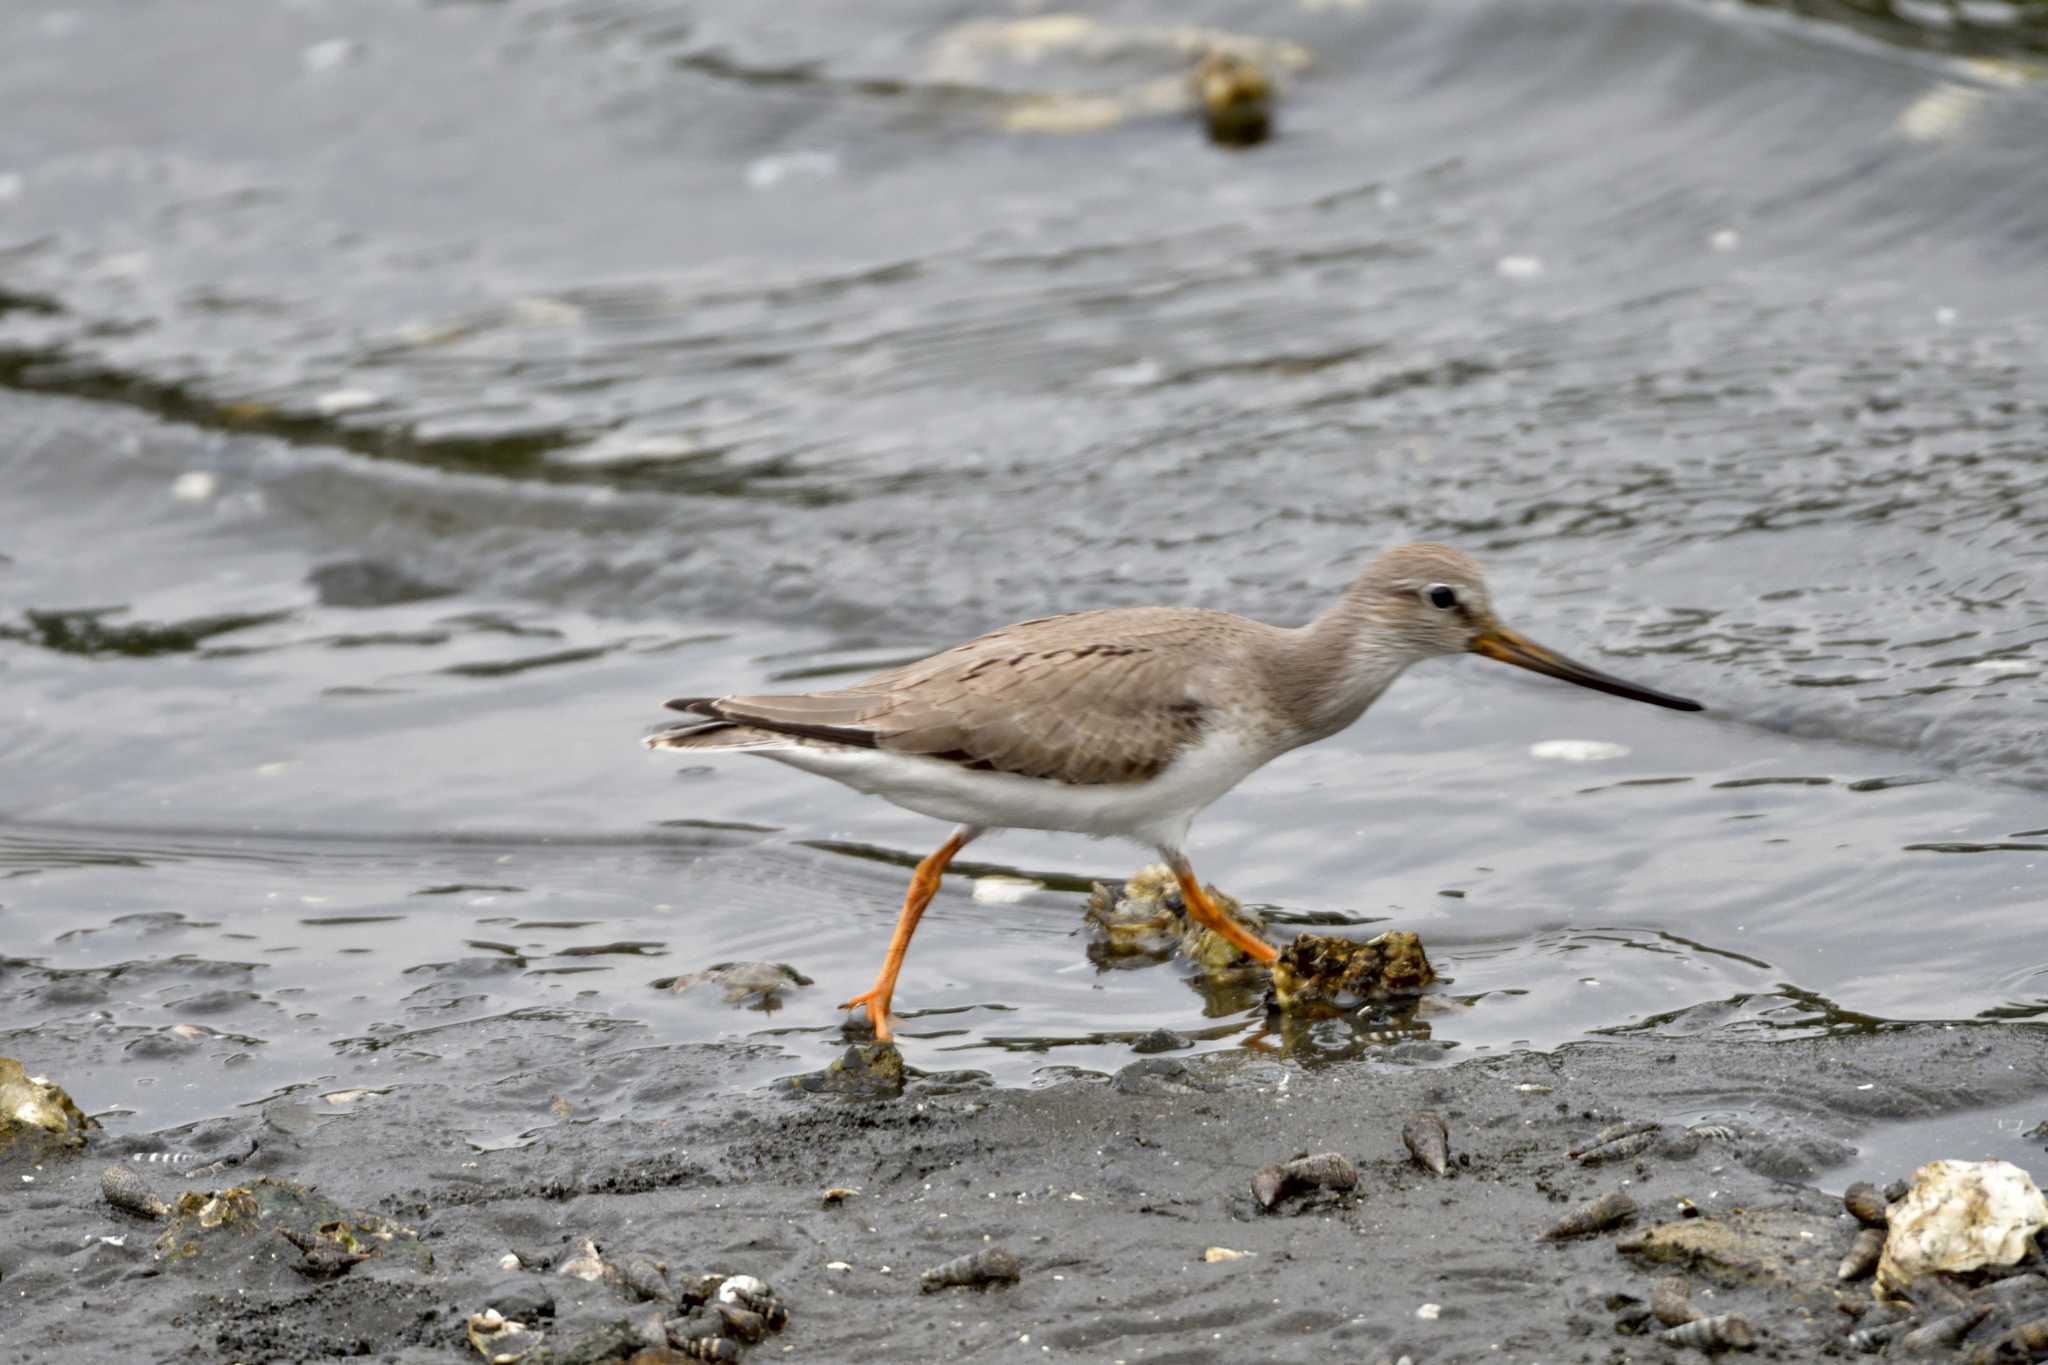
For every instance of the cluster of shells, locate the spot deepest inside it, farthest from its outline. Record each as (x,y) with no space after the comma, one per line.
(1146,917)
(697,1314)
(1956,1263)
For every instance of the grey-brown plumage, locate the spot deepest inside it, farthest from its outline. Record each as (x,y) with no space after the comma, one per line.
(1086,698)
(1124,722)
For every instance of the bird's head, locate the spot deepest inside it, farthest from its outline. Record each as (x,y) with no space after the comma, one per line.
(1430,600)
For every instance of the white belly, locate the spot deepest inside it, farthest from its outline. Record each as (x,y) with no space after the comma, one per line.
(1155,812)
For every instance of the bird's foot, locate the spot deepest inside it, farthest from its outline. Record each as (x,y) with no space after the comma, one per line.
(876,1002)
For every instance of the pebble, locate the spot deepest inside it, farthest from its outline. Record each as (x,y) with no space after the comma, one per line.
(521,1298)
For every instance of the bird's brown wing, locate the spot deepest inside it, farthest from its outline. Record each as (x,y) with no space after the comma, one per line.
(1090,698)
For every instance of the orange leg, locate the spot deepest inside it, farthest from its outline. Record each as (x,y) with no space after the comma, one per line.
(1206,913)
(924,884)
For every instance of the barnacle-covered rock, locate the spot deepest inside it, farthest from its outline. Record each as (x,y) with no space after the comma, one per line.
(1236,96)
(244,1227)
(1960,1216)
(1138,918)
(1318,967)
(1147,917)
(36,1116)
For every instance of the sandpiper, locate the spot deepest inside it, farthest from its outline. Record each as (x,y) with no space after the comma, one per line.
(1121,722)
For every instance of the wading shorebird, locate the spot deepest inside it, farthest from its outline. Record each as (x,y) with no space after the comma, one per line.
(1122,722)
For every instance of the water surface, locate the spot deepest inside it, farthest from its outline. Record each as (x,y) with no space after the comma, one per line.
(400,400)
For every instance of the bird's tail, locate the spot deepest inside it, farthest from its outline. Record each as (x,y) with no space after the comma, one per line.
(701,735)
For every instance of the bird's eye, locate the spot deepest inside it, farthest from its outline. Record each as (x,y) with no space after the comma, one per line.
(1441,596)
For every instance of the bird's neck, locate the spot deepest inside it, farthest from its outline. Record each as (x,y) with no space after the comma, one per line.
(1336,666)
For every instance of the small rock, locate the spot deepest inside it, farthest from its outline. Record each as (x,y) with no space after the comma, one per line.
(1160,1040)
(522,1298)
(1671,1302)
(369,583)
(871,1071)
(1157,1076)
(1785,1245)
(758,984)
(501,1340)
(583,1262)
(1236,96)
(1345,971)
(607,1341)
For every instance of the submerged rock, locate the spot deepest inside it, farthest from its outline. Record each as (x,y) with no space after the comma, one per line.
(1236,96)
(757,984)
(867,1071)
(36,1116)
(1317,967)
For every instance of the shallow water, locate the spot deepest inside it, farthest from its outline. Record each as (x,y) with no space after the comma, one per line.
(398,401)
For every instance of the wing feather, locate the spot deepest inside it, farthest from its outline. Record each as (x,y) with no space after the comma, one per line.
(1090,698)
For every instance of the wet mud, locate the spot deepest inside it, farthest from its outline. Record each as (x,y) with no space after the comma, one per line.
(1111,1199)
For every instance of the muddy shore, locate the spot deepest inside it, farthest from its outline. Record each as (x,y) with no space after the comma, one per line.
(1108,1188)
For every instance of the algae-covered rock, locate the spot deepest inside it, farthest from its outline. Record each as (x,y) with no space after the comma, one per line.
(36,1116)
(1788,1247)
(871,1071)
(271,1229)
(1236,96)
(1317,967)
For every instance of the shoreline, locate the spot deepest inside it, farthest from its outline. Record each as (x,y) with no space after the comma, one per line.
(1108,1191)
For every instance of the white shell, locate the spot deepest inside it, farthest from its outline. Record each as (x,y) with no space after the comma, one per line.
(738,1288)
(1960,1215)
